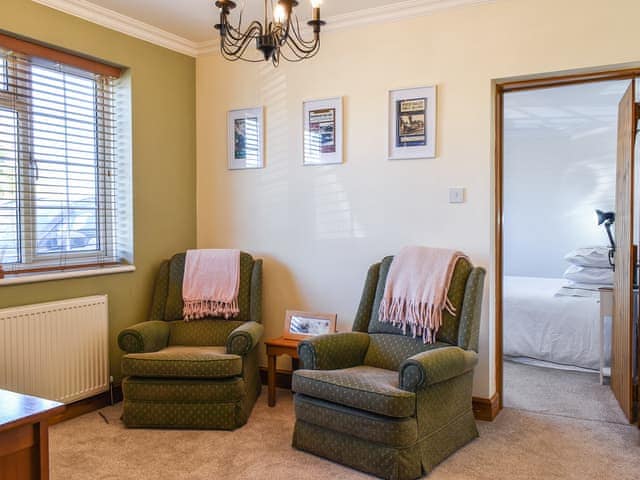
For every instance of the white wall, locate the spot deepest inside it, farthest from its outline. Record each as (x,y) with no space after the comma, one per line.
(319,228)
(559,167)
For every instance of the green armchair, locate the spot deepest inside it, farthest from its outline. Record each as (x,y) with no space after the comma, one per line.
(197,374)
(385,403)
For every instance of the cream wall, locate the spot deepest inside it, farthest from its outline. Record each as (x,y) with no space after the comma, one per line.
(319,228)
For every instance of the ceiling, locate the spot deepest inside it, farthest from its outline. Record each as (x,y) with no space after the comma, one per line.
(578,110)
(194,19)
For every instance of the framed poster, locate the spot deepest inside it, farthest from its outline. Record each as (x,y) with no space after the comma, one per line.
(322,131)
(412,123)
(245,138)
(299,325)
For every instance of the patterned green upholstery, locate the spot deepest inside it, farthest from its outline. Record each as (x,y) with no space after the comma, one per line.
(396,432)
(390,350)
(144,337)
(201,332)
(197,374)
(436,366)
(329,352)
(386,403)
(374,390)
(183,362)
(244,338)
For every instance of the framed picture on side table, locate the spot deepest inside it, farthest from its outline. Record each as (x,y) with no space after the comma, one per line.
(412,123)
(301,325)
(245,138)
(322,131)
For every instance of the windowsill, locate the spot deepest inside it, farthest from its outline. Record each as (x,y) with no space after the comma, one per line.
(47,277)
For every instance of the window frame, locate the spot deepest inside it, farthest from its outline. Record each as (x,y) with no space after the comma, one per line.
(27,245)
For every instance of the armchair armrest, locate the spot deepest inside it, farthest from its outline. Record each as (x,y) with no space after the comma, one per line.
(144,337)
(244,338)
(435,366)
(333,351)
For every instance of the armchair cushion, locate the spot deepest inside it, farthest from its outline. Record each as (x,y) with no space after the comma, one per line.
(244,338)
(183,362)
(330,352)
(367,388)
(435,366)
(144,337)
(201,333)
(390,351)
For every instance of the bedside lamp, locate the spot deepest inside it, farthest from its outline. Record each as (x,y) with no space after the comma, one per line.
(607,219)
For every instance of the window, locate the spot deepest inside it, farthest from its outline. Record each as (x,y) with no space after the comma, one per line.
(3,74)
(61,202)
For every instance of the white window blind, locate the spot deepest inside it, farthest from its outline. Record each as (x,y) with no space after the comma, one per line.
(61,201)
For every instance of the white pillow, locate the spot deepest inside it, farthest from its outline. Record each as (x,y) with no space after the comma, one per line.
(589,257)
(591,275)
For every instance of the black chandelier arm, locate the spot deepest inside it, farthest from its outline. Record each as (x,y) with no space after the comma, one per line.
(302,42)
(293,44)
(238,55)
(299,55)
(236,59)
(254,30)
(235,48)
(297,32)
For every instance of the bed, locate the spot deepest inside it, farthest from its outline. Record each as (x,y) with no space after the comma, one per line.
(540,326)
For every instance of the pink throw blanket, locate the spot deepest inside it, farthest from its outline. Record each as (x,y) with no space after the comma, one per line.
(417,290)
(211,283)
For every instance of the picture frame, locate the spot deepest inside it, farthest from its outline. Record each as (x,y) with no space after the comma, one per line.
(245,139)
(323,126)
(299,325)
(412,123)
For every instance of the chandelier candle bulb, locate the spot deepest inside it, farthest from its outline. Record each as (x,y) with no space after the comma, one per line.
(279,14)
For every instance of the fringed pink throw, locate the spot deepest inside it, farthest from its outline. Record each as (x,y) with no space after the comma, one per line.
(211,283)
(417,290)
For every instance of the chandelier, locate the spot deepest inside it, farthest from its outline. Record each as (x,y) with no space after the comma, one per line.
(280,37)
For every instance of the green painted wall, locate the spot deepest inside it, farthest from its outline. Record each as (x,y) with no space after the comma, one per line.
(164,160)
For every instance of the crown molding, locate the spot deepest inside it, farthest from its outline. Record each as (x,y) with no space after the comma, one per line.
(395,11)
(143,31)
(123,24)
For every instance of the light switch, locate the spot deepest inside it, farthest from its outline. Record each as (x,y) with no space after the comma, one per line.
(456,195)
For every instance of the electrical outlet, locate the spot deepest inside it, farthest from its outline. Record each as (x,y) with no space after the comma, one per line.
(456,195)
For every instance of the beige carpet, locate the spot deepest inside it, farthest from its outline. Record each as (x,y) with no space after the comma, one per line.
(518,445)
(560,392)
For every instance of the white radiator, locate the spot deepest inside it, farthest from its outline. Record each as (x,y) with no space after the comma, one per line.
(56,350)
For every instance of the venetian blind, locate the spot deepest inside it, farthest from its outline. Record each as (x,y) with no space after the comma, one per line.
(64,189)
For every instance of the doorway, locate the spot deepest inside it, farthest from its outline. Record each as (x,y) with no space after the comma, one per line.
(556,164)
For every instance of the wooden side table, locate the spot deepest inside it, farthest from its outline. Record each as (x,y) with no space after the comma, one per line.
(275,347)
(24,436)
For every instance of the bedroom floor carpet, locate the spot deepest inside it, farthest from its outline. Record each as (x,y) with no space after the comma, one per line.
(519,445)
(560,392)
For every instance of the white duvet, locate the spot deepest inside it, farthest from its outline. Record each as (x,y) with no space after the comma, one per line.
(539,325)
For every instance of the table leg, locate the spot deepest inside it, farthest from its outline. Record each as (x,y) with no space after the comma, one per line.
(271,380)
